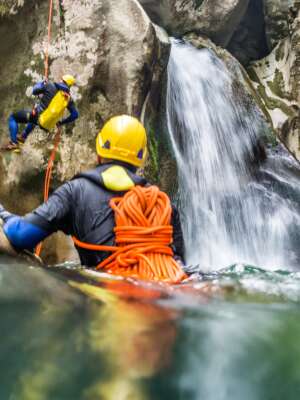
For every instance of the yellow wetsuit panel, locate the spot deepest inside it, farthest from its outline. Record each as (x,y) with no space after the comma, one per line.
(116,179)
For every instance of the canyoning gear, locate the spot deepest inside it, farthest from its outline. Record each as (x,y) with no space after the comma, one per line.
(47,91)
(69,80)
(54,99)
(123,138)
(143,236)
(55,110)
(81,208)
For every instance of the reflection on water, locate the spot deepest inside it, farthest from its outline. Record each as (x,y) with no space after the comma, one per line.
(59,343)
(72,335)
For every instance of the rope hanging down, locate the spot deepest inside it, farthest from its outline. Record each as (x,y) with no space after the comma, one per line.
(48,176)
(49,169)
(143,237)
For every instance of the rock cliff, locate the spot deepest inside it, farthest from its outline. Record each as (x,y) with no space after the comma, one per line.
(116,55)
(276,77)
(119,57)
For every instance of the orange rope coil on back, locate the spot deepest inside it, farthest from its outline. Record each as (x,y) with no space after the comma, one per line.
(143,236)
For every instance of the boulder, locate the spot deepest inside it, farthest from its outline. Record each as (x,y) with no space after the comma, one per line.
(114,51)
(216,19)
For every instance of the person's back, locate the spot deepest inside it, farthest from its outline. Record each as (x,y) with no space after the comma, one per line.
(84,210)
(82,207)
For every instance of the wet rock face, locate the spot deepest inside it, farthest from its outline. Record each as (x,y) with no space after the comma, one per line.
(279,15)
(111,47)
(277,77)
(248,42)
(10,7)
(216,19)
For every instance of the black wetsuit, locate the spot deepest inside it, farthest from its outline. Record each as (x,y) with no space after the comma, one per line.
(81,208)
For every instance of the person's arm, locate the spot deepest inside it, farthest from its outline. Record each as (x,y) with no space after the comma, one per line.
(26,232)
(73,114)
(38,88)
(5,215)
(178,242)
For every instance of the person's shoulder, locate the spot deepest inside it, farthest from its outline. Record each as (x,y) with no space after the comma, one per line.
(68,187)
(62,86)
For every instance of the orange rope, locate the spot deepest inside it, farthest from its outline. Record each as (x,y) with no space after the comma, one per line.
(48,176)
(51,163)
(48,39)
(143,237)
(58,132)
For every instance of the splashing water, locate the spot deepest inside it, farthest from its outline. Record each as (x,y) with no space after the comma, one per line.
(228,217)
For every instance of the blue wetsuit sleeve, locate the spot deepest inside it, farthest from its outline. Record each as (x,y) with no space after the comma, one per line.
(26,232)
(22,234)
(73,114)
(38,88)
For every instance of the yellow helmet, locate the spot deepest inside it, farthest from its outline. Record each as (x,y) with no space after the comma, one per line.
(123,138)
(69,80)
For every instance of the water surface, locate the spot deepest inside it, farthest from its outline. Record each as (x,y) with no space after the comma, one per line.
(227,335)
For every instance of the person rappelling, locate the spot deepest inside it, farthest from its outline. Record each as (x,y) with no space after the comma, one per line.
(54,99)
(118,221)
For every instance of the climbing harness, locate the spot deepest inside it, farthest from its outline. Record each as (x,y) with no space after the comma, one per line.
(143,235)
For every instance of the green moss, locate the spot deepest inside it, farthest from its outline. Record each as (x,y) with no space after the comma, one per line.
(257,98)
(269,137)
(272,103)
(253,75)
(152,168)
(277,86)
(3,10)
(279,54)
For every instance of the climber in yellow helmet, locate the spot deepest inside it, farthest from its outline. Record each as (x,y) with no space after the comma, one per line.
(81,206)
(54,98)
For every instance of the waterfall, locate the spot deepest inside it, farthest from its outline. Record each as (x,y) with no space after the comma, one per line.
(229,216)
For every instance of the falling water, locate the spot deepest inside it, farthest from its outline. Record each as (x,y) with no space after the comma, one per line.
(228,216)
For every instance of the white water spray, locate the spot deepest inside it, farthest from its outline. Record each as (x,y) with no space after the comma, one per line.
(228,217)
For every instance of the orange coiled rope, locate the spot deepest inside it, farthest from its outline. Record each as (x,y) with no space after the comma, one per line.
(143,237)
